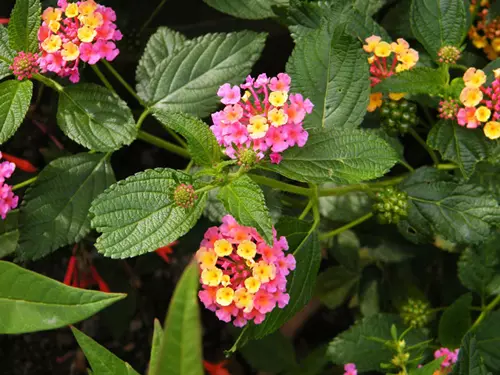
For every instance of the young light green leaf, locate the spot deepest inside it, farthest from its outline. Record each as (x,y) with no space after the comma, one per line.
(24,24)
(181,349)
(488,337)
(334,285)
(161,45)
(455,322)
(138,215)
(188,80)
(9,234)
(437,23)
(470,360)
(55,209)
(95,117)
(428,369)
(419,80)
(15,98)
(344,156)
(248,9)
(459,213)
(336,80)
(6,53)
(244,199)
(30,302)
(202,144)
(458,144)
(102,361)
(156,344)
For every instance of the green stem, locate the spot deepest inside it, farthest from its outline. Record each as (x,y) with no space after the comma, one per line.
(177,137)
(189,166)
(103,78)
(142,118)
(153,15)
(485,312)
(283,186)
(447,167)
(407,166)
(24,183)
(154,140)
(204,189)
(459,66)
(123,82)
(340,190)
(48,82)
(419,139)
(306,210)
(346,227)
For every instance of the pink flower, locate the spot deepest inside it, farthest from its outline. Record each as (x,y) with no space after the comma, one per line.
(248,83)
(106,50)
(350,369)
(8,201)
(262,80)
(280,83)
(229,95)
(276,139)
(450,356)
(298,100)
(466,117)
(89,53)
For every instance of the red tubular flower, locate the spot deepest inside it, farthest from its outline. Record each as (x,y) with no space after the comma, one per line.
(216,368)
(80,275)
(4,21)
(165,251)
(22,164)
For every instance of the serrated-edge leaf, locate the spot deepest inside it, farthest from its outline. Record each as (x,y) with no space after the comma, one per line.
(31,302)
(15,98)
(156,344)
(6,53)
(470,360)
(245,200)
(248,9)
(24,24)
(9,233)
(419,80)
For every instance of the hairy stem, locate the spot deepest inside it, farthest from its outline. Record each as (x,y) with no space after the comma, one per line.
(123,82)
(156,141)
(24,183)
(103,78)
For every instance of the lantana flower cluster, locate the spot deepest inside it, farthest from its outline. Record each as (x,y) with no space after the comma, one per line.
(8,201)
(25,65)
(449,360)
(76,31)
(481,104)
(266,117)
(387,59)
(350,369)
(242,277)
(485,32)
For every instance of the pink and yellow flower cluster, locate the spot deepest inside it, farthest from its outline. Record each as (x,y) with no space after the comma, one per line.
(76,31)
(265,118)
(481,104)
(383,65)
(450,358)
(8,201)
(242,277)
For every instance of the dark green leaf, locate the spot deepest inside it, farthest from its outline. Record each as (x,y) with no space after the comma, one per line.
(15,98)
(488,340)
(369,298)
(419,80)
(249,9)
(488,176)
(138,215)
(334,285)
(346,250)
(458,144)
(181,349)
(30,302)
(244,199)
(470,361)
(429,369)
(344,156)
(6,53)
(55,209)
(202,144)
(95,117)
(9,234)
(102,361)
(455,322)
(336,80)
(313,363)
(24,24)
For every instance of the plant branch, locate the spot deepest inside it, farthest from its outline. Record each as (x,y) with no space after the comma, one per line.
(103,78)
(24,183)
(485,312)
(123,82)
(334,232)
(143,116)
(344,189)
(306,210)
(283,186)
(156,141)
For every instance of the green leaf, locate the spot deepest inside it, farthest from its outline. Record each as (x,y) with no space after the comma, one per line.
(356,346)
(488,340)
(428,369)
(102,361)
(24,24)
(202,144)
(55,209)
(9,233)
(96,118)
(30,302)
(244,199)
(487,176)
(470,361)
(419,80)
(455,322)
(161,45)
(313,363)
(334,285)
(459,213)
(256,353)
(344,208)
(188,80)
(181,349)
(138,215)
(15,98)
(344,156)
(156,344)
(6,53)
(458,144)
(336,80)
(371,6)
(248,9)
(438,23)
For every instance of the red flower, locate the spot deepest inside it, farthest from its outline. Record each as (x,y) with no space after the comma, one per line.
(216,368)
(4,21)
(165,251)
(83,275)
(22,164)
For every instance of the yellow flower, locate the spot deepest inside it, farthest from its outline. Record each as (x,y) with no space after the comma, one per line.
(52,44)
(72,10)
(206,258)
(86,34)
(243,300)
(480,42)
(223,248)
(495,43)
(264,272)
(496,72)
(93,20)
(371,59)
(278,98)
(277,117)
(87,7)
(375,101)
(258,127)
(483,114)
(383,49)
(211,276)
(252,284)
(409,58)
(397,95)
(246,96)
(471,96)
(226,280)
(224,296)
(52,14)
(246,249)
(474,78)
(399,47)
(492,130)
(54,26)
(70,51)
(371,43)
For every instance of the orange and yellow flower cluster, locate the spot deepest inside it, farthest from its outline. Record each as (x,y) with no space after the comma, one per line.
(484,32)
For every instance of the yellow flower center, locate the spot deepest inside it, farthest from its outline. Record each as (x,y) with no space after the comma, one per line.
(252,284)
(483,114)
(224,296)
(264,272)
(258,127)
(223,248)
(54,26)
(87,7)
(211,276)
(492,130)
(86,34)
(52,43)
(371,43)
(70,51)
(383,49)
(247,249)
(375,101)
(278,98)
(471,96)
(206,258)
(72,10)
(243,300)
(93,20)
(52,14)
(277,117)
